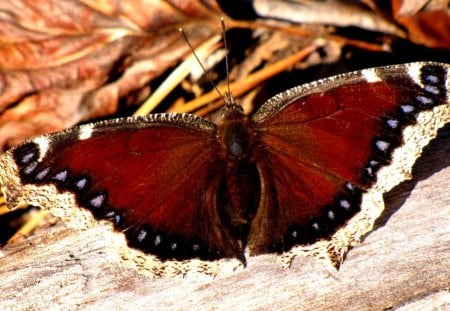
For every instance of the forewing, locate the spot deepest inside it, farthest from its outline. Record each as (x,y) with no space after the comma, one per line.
(154,177)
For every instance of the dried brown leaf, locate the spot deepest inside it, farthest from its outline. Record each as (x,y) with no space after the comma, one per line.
(427,22)
(62,62)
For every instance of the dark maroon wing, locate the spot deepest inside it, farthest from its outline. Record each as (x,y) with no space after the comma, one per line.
(154,177)
(319,147)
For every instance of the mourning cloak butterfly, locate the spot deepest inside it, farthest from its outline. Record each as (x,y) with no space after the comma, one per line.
(180,187)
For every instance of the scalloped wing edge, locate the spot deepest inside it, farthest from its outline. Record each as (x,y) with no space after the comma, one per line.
(19,195)
(416,137)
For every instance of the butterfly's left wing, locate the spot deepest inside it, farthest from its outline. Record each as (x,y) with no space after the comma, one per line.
(154,177)
(320,146)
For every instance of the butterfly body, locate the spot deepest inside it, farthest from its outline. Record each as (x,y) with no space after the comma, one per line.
(181,187)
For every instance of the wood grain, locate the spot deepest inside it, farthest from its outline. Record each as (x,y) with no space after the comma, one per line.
(404,264)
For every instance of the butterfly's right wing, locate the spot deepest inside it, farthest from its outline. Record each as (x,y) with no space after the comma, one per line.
(321,145)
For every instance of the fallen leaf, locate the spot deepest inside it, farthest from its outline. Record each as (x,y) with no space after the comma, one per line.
(62,62)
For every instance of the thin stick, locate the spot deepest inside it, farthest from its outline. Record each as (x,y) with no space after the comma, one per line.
(250,81)
(176,77)
(29,226)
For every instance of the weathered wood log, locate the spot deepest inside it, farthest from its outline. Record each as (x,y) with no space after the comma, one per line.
(404,263)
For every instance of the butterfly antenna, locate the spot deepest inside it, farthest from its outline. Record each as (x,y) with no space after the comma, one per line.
(227,67)
(200,63)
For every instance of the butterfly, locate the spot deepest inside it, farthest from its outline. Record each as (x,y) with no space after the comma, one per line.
(179,187)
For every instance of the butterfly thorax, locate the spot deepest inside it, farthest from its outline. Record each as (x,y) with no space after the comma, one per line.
(234,133)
